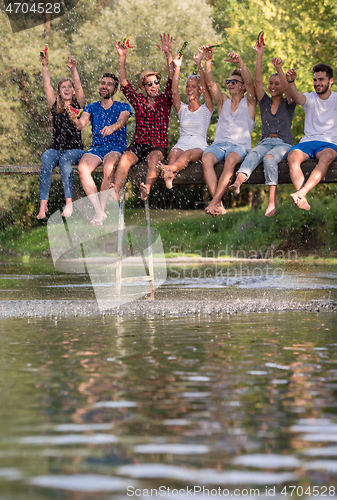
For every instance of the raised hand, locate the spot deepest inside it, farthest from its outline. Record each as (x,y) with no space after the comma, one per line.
(206,52)
(177,61)
(277,62)
(71,63)
(233,57)
(121,49)
(258,48)
(44,60)
(197,58)
(291,75)
(166,43)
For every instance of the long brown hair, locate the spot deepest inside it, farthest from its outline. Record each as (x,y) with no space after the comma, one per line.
(60,107)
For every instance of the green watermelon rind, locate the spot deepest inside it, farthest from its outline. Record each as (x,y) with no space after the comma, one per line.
(260,38)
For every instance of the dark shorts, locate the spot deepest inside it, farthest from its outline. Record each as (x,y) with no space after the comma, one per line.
(143,150)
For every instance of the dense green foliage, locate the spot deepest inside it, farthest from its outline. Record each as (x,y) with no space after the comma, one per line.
(302,34)
(86,33)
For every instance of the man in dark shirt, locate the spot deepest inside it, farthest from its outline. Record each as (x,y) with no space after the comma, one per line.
(152,118)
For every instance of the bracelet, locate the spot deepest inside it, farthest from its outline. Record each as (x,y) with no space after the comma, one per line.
(292,81)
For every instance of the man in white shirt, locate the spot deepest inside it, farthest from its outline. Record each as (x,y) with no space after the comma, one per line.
(320,132)
(232,139)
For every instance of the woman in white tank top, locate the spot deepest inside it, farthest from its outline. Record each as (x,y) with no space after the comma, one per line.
(194,120)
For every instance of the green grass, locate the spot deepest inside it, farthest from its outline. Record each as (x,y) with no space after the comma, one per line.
(242,232)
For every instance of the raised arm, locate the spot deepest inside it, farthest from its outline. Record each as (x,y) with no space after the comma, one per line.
(249,82)
(118,125)
(294,94)
(166,47)
(177,61)
(49,91)
(121,50)
(258,71)
(214,89)
(77,82)
(235,58)
(277,63)
(205,92)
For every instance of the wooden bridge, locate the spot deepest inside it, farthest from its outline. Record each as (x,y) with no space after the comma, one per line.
(192,174)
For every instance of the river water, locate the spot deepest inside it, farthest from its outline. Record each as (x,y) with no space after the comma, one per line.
(113,406)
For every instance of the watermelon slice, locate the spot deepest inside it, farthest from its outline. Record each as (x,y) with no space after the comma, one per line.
(213,45)
(126,43)
(182,50)
(260,39)
(75,111)
(43,52)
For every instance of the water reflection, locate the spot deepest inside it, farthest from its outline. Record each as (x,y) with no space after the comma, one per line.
(94,406)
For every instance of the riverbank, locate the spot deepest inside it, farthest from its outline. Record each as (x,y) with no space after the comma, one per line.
(241,233)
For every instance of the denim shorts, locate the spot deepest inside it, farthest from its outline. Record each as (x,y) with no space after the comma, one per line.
(222,149)
(311,148)
(102,151)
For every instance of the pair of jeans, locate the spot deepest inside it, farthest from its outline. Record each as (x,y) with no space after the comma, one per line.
(65,160)
(270,145)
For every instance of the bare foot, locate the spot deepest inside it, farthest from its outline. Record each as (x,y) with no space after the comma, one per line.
(235,188)
(98,219)
(271,209)
(68,210)
(168,178)
(43,209)
(294,197)
(300,201)
(219,210)
(41,214)
(303,203)
(144,191)
(215,208)
(166,174)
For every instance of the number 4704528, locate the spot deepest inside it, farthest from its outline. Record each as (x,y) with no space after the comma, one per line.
(315,491)
(39,8)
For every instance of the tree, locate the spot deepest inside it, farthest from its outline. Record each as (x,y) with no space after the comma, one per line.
(87,33)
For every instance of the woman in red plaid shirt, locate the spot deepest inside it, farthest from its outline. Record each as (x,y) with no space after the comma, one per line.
(152,112)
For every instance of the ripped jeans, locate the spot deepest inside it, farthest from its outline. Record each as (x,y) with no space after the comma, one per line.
(270,145)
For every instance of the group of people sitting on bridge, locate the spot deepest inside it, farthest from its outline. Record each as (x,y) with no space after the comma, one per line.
(232,140)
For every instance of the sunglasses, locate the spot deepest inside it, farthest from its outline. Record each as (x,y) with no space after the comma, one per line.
(155,82)
(233,81)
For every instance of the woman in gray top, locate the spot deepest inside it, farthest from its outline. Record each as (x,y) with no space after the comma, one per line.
(276,114)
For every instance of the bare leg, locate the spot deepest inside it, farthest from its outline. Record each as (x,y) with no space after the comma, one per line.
(177,161)
(152,173)
(208,163)
(240,178)
(216,208)
(128,159)
(295,158)
(325,158)
(43,209)
(87,165)
(68,208)
(109,162)
(272,202)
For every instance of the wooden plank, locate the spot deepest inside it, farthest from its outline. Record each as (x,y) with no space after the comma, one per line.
(191,175)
